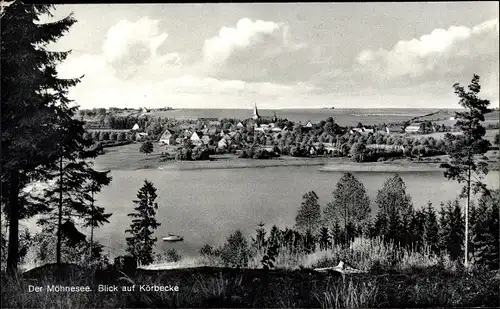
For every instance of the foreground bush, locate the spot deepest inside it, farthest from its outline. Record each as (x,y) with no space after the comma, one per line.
(229,287)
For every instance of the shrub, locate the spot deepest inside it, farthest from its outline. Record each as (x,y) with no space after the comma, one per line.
(173,255)
(235,252)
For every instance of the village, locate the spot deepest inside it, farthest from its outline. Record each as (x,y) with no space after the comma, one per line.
(266,137)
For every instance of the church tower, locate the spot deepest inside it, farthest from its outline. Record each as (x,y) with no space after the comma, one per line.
(255,115)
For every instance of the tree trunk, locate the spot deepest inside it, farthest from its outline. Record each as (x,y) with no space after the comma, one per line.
(13,247)
(59,220)
(92,226)
(466,251)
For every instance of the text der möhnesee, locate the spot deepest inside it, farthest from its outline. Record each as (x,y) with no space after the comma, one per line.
(102,288)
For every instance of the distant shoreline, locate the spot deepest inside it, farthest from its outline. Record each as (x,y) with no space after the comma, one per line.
(324,165)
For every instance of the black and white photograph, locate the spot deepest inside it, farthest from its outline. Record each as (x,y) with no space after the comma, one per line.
(250,155)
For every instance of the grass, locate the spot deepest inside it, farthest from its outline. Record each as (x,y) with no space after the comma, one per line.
(204,287)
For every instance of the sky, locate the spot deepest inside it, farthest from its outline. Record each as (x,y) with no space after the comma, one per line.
(280,55)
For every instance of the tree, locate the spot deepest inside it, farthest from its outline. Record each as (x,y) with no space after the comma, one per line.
(464,166)
(486,236)
(350,204)
(395,206)
(95,216)
(324,238)
(358,151)
(260,238)
(497,139)
(309,214)
(452,229)
(235,252)
(431,228)
(146,147)
(140,243)
(35,118)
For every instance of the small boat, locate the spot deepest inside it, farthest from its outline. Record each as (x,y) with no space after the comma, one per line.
(173,238)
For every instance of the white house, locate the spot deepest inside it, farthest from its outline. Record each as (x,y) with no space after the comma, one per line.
(222,143)
(413,128)
(167,138)
(135,127)
(309,124)
(240,125)
(195,138)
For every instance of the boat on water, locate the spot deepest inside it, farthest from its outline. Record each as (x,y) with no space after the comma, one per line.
(173,238)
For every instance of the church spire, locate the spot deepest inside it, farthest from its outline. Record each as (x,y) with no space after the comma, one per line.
(255,115)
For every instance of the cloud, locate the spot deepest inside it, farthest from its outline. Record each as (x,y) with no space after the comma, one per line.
(131,48)
(257,51)
(440,53)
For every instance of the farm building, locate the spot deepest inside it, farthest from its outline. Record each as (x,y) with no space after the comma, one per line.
(141,136)
(413,128)
(393,129)
(222,143)
(363,131)
(167,138)
(195,138)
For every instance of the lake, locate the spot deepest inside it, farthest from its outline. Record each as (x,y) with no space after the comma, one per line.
(205,206)
(342,116)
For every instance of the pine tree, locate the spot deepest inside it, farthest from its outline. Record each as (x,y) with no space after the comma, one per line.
(465,166)
(275,238)
(95,215)
(36,120)
(418,229)
(486,236)
(309,215)
(70,198)
(141,242)
(324,238)
(431,229)
(350,204)
(260,238)
(452,229)
(395,208)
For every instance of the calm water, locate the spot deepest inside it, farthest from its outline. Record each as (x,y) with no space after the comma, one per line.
(342,116)
(205,206)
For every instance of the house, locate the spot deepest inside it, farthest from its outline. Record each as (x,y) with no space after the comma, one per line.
(393,129)
(179,140)
(205,139)
(141,136)
(145,110)
(309,124)
(167,138)
(216,123)
(413,128)
(276,129)
(222,143)
(195,138)
(188,133)
(259,129)
(135,127)
(362,131)
(222,133)
(240,125)
(452,118)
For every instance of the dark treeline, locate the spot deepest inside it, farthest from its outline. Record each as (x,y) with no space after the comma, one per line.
(397,223)
(42,141)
